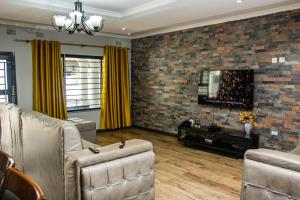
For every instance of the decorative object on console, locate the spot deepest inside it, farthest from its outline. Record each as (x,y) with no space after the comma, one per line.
(192,122)
(197,124)
(248,128)
(248,118)
(78,21)
(182,129)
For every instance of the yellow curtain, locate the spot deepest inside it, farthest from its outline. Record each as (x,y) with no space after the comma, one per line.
(115,105)
(48,80)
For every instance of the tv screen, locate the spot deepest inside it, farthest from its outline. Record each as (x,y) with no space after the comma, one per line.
(230,88)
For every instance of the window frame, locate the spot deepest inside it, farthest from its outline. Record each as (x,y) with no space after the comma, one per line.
(11,77)
(88,57)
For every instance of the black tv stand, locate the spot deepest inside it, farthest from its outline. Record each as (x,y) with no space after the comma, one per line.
(229,142)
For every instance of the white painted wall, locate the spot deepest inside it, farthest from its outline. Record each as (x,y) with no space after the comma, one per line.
(23,58)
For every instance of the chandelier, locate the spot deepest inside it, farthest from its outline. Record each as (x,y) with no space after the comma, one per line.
(78,21)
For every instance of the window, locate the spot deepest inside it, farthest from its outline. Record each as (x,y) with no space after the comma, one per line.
(8,88)
(83,76)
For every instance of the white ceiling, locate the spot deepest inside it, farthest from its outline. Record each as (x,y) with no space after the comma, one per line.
(141,17)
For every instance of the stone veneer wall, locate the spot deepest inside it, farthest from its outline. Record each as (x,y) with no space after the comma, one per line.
(165,74)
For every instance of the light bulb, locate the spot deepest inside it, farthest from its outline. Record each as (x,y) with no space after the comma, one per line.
(89,24)
(59,21)
(76,17)
(69,24)
(96,21)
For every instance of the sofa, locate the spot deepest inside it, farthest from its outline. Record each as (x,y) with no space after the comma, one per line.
(271,175)
(52,152)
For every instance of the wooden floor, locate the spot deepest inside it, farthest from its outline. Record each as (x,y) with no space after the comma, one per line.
(182,173)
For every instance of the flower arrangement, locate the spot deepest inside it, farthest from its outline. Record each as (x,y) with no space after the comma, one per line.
(248,117)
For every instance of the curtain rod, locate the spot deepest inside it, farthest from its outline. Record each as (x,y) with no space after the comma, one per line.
(68,44)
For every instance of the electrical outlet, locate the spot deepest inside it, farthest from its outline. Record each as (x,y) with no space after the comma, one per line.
(274,60)
(274,133)
(281,59)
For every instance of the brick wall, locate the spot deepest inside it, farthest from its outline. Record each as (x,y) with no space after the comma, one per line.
(165,74)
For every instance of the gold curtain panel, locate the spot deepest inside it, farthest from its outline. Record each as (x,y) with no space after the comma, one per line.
(48,81)
(115,105)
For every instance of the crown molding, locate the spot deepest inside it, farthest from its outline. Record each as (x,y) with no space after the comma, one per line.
(47,27)
(65,7)
(217,20)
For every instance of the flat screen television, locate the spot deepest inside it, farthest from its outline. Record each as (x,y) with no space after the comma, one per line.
(229,88)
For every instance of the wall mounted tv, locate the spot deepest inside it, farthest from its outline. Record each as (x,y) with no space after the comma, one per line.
(228,88)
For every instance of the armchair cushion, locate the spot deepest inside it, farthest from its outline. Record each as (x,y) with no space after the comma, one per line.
(130,177)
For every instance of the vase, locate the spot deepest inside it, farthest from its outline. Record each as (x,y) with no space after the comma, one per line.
(248,128)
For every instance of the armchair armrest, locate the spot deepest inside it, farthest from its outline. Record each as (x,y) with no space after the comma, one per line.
(276,158)
(110,152)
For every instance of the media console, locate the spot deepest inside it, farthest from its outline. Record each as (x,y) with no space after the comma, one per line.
(229,142)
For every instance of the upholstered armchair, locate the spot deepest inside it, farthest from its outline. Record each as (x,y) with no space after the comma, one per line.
(52,152)
(271,175)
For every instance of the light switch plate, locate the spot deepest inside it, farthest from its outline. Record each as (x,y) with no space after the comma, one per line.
(274,60)
(275,133)
(281,59)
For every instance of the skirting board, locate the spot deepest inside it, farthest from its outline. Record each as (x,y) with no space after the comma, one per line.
(138,127)
(156,131)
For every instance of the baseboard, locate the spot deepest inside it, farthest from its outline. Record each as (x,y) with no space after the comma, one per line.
(139,127)
(154,130)
(109,130)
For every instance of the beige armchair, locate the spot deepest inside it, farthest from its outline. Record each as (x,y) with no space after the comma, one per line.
(271,175)
(52,152)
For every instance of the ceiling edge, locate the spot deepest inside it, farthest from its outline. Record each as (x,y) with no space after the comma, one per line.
(217,21)
(146,7)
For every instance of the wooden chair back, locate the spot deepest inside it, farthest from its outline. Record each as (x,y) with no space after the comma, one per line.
(19,186)
(6,161)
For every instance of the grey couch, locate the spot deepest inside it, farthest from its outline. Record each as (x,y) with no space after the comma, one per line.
(52,152)
(271,175)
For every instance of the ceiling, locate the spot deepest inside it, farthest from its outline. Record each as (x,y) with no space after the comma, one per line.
(141,17)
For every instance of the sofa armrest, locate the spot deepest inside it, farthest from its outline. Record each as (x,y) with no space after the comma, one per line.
(276,158)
